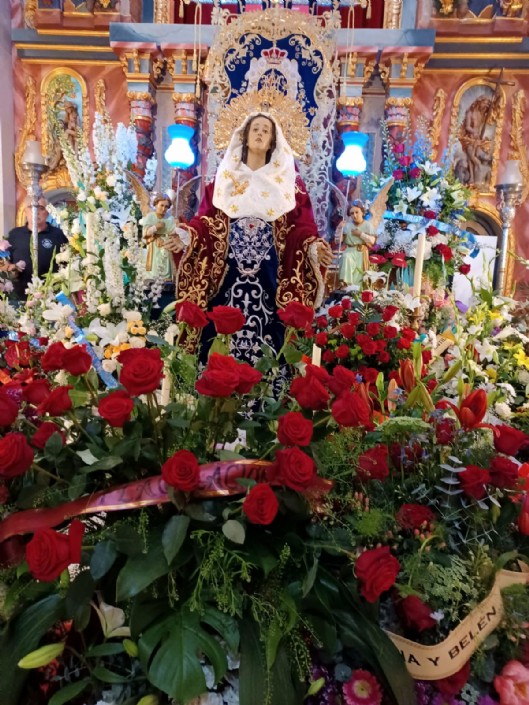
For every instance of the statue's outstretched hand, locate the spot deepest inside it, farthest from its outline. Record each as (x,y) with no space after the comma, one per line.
(325,256)
(174,244)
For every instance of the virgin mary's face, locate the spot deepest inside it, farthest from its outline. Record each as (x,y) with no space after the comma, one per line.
(260,135)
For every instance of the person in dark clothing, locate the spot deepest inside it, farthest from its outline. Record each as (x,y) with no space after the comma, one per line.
(51,240)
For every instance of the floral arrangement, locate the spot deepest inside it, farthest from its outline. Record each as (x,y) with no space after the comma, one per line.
(233,544)
(425,198)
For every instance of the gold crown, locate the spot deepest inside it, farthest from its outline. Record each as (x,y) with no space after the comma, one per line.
(287,112)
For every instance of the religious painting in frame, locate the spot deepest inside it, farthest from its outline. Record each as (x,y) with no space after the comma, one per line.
(64,109)
(477,118)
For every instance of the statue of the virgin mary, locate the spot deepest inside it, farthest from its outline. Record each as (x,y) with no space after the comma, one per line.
(254,243)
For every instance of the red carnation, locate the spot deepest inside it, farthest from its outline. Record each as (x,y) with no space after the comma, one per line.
(373,328)
(431,230)
(415,614)
(342,352)
(336,311)
(473,480)
(445,252)
(261,505)
(191,314)
(296,315)
(430,214)
(367,297)
(503,472)
(414,516)
(377,571)
(321,339)
(227,319)
(454,684)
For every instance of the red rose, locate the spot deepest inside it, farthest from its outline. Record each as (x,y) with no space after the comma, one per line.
(399,260)
(182,471)
(373,329)
(347,330)
(328,356)
(36,392)
(398,174)
(415,172)
(414,516)
(322,322)
(373,463)
(415,614)
(390,332)
(383,357)
(220,378)
(351,409)
(189,313)
(369,374)
(336,311)
(445,430)
(49,552)
(16,455)
(388,313)
(309,391)
(294,429)
(354,316)
(296,315)
(430,214)
(248,378)
(342,352)
(57,402)
(398,148)
(508,440)
(367,297)
(405,161)
(346,304)
(8,410)
(227,319)
(431,230)
(321,339)
(503,472)
(464,268)
(377,571)
(454,684)
(294,468)
(44,432)
(116,408)
(445,252)
(76,360)
(260,504)
(142,370)
(473,481)
(53,357)
(342,380)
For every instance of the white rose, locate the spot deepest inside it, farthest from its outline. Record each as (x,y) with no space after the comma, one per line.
(131,315)
(81,196)
(104,309)
(137,342)
(109,365)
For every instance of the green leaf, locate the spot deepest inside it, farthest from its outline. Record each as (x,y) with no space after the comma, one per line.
(225,625)
(174,536)
(252,675)
(76,486)
(140,571)
(79,593)
(234,531)
(108,676)
(53,446)
(69,692)
(308,582)
(109,649)
(127,540)
(106,463)
(170,654)
(102,559)
(229,455)
(292,355)
(79,398)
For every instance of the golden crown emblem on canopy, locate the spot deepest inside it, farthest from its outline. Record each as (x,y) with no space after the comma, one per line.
(286,111)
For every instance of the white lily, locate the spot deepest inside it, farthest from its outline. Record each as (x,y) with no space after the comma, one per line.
(431,168)
(110,334)
(112,620)
(413,193)
(57,312)
(430,197)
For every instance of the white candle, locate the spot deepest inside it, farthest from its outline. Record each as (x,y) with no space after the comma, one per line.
(33,153)
(316,355)
(419,262)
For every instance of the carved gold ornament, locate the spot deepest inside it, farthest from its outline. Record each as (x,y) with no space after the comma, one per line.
(439,105)
(517,148)
(286,111)
(30,10)
(392,14)
(28,129)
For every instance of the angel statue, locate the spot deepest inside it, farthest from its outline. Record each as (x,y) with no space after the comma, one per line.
(359,234)
(254,242)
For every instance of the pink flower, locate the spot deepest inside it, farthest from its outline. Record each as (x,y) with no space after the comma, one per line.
(362,689)
(512,684)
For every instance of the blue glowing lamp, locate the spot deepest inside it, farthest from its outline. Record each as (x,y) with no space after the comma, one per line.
(352,161)
(179,153)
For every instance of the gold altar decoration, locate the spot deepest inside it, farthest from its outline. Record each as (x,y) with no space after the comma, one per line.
(287,111)
(478,103)
(62,91)
(517,148)
(29,127)
(439,106)
(100,95)
(30,11)
(392,14)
